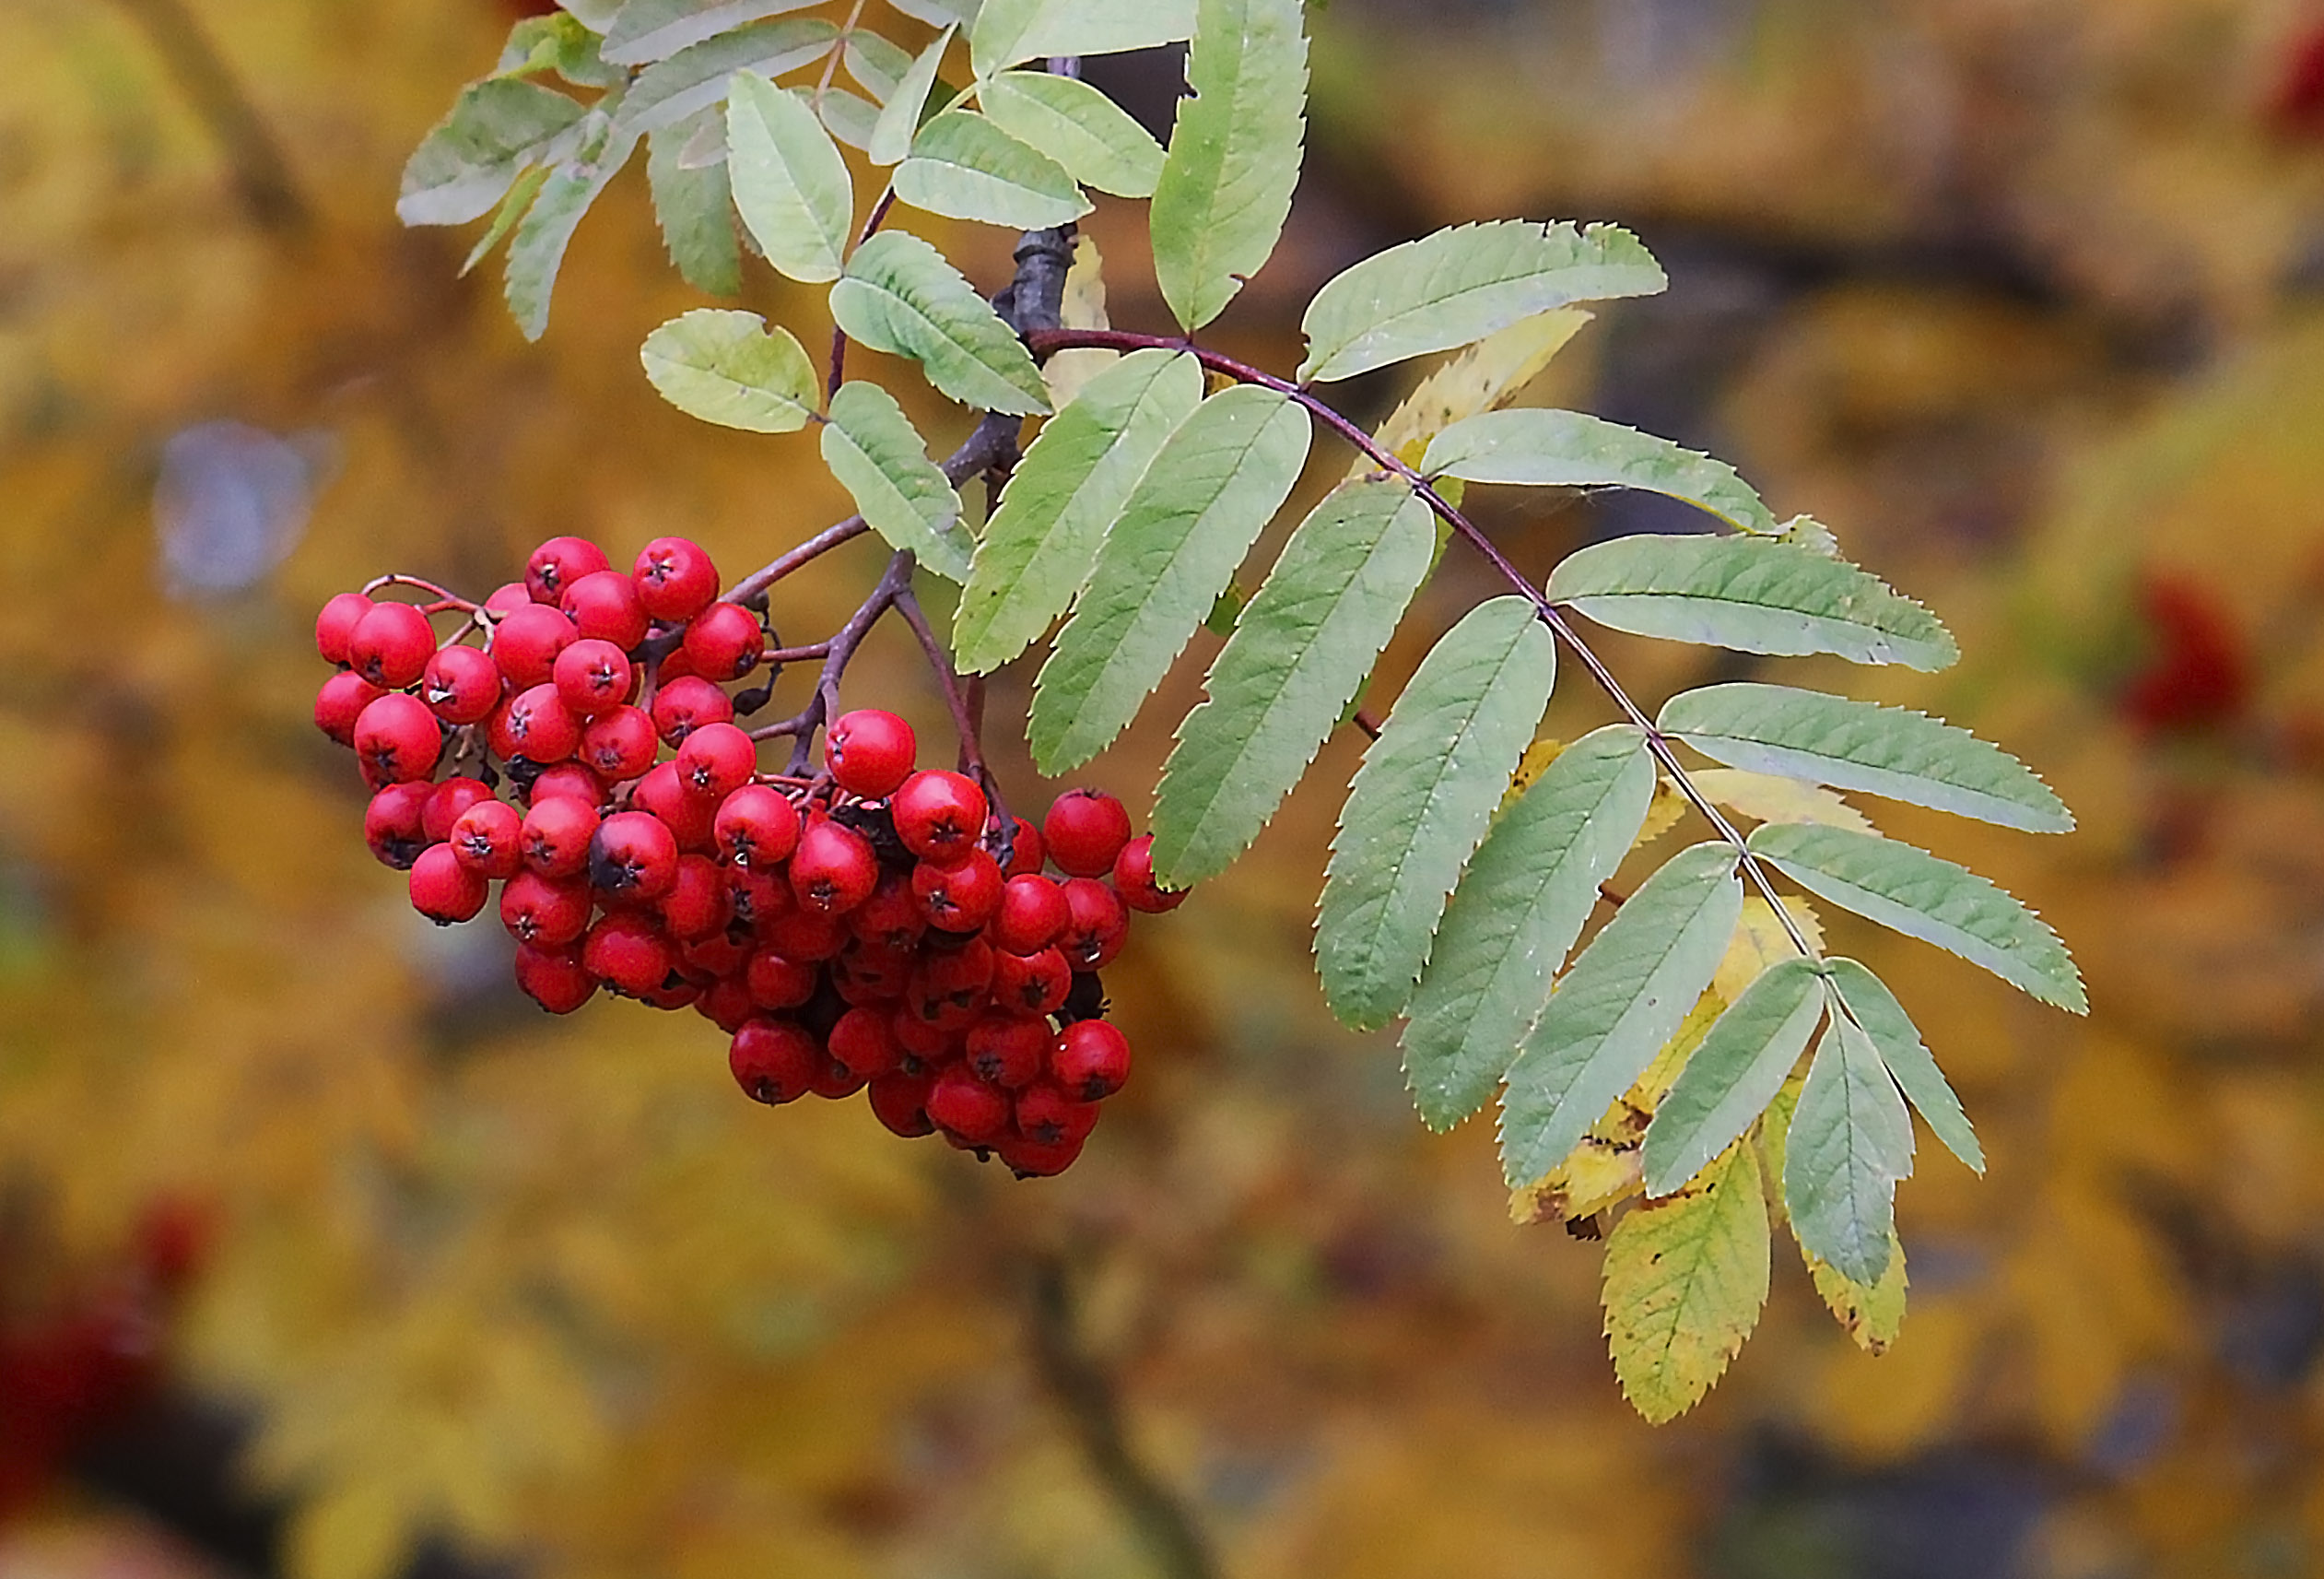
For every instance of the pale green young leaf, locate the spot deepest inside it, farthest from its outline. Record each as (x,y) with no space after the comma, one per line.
(876,63)
(1301,649)
(1751,595)
(692,204)
(1078,126)
(648,30)
(880,458)
(1515,916)
(1007,31)
(1862,746)
(1683,1284)
(1226,184)
(1624,996)
(537,250)
(955,14)
(1848,1143)
(1421,803)
(790,184)
(899,114)
(696,78)
(1571,449)
(849,117)
(727,367)
(899,295)
(1915,893)
(964,167)
(1162,564)
(512,207)
(595,15)
(472,157)
(1897,1041)
(1733,1072)
(556,42)
(1461,284)
(1070,485)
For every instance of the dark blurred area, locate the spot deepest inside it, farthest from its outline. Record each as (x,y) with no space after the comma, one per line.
(321,1253)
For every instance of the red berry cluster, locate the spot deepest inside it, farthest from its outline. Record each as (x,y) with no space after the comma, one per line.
(869,928)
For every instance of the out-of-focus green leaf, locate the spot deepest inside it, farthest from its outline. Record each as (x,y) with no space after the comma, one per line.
(648,30)
(696,77)
(472,157)
(537,250)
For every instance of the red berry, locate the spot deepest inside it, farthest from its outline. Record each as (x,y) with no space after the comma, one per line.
(960,897)
(391,645)
(725,1003)
(716,955)
(442,889)
(777,981)
(392,823)
(724,642)
(1084,830)
(1046,1115)
(534,725)
(1008,1049)
(1032,914)
(962,974)
(1026,853)
(676,991)
(774,1060)
(620,745)
(761,899)
(485,838)
(901,1101)
(1090,1059)
(396,738)
(869,752)
(965,1106)
(802,935)
(340,701)
(835,1081)
(756,827)
(925,1045)
(691,819)
(834,869)
(1034,1160)
(603,607)
(685,704)
(542,911)
(717,760)
(862,1041)
(698,903)
(628,952)
(939,815)
(1032,984)
(553,978)
(592,675)
(632,856)
(891,917)
(508,597)
(460,685)
(526,642)
(676,579)
(872,973)
(567,781)
(1099,926)
(1133,879)
(557,564)
(451,798)
(337,622)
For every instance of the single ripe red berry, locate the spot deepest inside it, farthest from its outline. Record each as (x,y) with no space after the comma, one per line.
(698,903)
(774,1060)
(336,623)
(1036,1160)
(719,954)
(803,934)
(959,896)
(444,890)
(901,1101)
(553,838)
(1090,1059)
(691,819)
(1133,879)
(925,1046)
(1026,853)
(620,745)
(965,1106)
(1097,927)
(725,1003)
(717,760)
(676,579)
(567,781)
(1032,914)
(485,838)
(870,752)
(396,740)
(872,973)
(391,645)
(592,676)
(1032,984)
(534,723)
(603,607)
(1084,830)
(557,564)
(939,815)
(833,869)
(392,823)
(1008,1050)
(891,917)
(835,1081)
(460,685)
(628,951)
(685,704)
(508,597)
(862,1040)
(340,701)
(547,913)
(676,991)
(526,643)
(778,981)
(761,899)
(961,974)
(724,642)
(633,856)
(553,978)
(451,798)
(757,826)
(1046,1115)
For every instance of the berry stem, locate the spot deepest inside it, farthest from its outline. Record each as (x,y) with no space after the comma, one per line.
(964,715)
(448,600)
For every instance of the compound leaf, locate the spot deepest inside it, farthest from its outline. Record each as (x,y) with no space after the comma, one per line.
(537,250)
(880,458)
(965,167)
(1751,594)
(1571,449)
(695,208)
(1299,652)
(648,30)
(790,184)
(1515,916)
(471,157)
(1079,127)
(1685,1280)
(1187,524)
(696,77)
(899,116)
(1007,31)
(1894,1036)
(1421,802)
(1734,1072)
(899,295)
(1848,1143)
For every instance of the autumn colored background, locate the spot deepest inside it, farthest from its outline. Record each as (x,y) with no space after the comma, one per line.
(323,1252)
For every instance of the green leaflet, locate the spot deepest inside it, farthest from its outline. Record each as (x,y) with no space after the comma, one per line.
(965,167)
(1463,284)
(512,208)
(1863,746)
(899,116)
(1570,449)
(594,15)
(790,185)
(1914,892)
(559,42)
(1226,184)
(1301,649)
(471,156)
(1515,916)
(1193,517)
(1624,996)
(938,13)
(1849,1142)
(880,458)
(1684,1281)
(1078,126)
(899,295)
(1073,482)
(537,250)
(696,78)
(694,208)
(1007,31)
(727,367)
(1751,594)
(648,30)
(1421,803)
(849,117)
(878,65)
(1733,1073)
(1868,1001)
